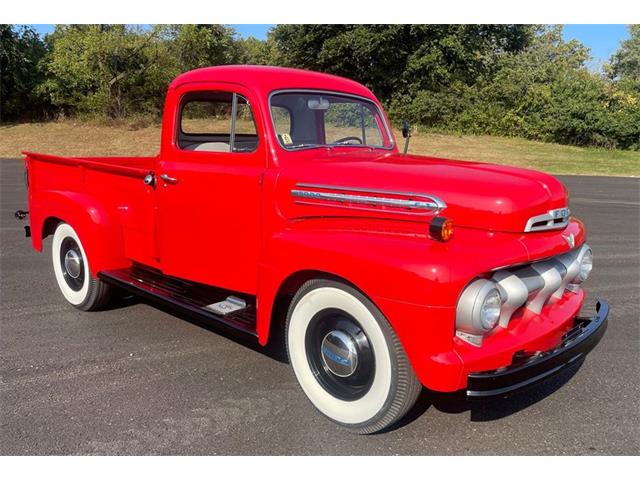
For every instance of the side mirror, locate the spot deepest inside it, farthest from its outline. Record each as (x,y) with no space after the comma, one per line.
(406,129)
(406,133)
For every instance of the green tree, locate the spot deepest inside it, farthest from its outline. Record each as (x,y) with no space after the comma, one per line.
(106,70)
(400,59)
(545,92)
(195,46)
(21,51)
(118,71)
(625,63)
(624,69)
(258,52)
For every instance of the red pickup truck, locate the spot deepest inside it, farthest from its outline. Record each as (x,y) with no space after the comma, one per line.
(281,190)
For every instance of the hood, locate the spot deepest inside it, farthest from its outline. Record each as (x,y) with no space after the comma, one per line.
(476,195)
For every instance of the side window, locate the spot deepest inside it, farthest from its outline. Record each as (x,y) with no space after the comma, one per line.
(216,122)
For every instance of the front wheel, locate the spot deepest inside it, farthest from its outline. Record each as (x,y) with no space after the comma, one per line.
(347,358)
(73,273)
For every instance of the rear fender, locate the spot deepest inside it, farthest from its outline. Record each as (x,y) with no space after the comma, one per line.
(95,224)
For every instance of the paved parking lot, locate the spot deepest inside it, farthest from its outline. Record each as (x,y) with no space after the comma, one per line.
(136,380)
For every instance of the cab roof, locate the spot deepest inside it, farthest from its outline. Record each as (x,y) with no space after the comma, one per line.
(265,79)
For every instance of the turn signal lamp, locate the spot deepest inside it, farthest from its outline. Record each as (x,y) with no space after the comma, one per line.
(441,229)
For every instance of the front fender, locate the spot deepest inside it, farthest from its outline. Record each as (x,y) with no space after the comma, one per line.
(381,265)
(403,275)
(95,224)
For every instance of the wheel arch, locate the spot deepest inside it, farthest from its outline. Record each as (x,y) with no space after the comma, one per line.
(49,226)
(287,288)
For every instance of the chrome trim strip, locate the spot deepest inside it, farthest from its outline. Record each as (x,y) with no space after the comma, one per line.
(427,202)
(549,218)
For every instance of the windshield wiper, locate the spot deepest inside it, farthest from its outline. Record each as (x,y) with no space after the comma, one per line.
(304,145)
(345,144)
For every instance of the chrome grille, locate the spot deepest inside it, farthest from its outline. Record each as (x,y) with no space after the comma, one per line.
(538,284)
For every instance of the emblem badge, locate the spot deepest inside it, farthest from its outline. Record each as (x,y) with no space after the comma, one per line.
(571,240)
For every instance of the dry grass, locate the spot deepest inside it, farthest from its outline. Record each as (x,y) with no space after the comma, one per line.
(549,157)
(89,139)
(78,139)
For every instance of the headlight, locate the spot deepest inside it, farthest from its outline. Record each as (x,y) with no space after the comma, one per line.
(586,265)
(478,309)
(490,310)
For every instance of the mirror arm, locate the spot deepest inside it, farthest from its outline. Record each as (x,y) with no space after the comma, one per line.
(406,133)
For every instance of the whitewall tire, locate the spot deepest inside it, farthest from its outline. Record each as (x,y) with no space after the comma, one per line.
(347,358)
(73,272)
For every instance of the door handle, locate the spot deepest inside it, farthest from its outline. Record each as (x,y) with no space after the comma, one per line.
(168,179)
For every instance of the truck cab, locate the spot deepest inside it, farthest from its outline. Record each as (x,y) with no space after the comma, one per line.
(280,201)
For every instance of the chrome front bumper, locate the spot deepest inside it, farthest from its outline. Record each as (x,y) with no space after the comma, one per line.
(531,367)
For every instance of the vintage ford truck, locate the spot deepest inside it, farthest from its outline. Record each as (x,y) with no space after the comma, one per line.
(280,201)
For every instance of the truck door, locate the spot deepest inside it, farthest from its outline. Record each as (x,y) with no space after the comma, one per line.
(209,189)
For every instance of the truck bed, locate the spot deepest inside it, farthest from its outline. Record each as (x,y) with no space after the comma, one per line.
(129,166)
(95,190)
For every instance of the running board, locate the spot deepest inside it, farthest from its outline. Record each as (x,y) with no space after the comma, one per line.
(207,303)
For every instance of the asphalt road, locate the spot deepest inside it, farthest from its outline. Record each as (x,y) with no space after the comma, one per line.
(136,380)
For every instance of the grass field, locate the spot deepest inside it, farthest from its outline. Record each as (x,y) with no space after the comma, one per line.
(87,139)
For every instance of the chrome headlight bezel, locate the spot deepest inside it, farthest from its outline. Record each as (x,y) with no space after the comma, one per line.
(478,308)
(490,310)
(586,266)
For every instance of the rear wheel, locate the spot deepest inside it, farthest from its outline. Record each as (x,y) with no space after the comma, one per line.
(347,358)
(73,273)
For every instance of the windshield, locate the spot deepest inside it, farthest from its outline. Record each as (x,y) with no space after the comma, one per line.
(310,120)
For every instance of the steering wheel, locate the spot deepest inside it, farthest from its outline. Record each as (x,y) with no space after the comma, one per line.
(348,139)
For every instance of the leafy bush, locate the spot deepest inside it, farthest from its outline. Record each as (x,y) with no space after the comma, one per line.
(21,54)
(543,92)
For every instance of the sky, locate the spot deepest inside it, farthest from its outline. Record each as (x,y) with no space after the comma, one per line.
(603,40)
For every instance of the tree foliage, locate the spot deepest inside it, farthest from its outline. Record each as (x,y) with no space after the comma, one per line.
(625,63)
(196,46)
(512,80)
(21,53)
(399,59)
(119,70)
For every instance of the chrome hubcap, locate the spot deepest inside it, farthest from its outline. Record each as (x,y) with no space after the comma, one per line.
(339,353)
(73,263)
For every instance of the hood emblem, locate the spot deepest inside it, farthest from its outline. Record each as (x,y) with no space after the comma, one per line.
(553,219)
(571,239)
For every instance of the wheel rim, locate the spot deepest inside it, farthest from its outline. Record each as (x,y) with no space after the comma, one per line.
(72,264)
(340,354)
